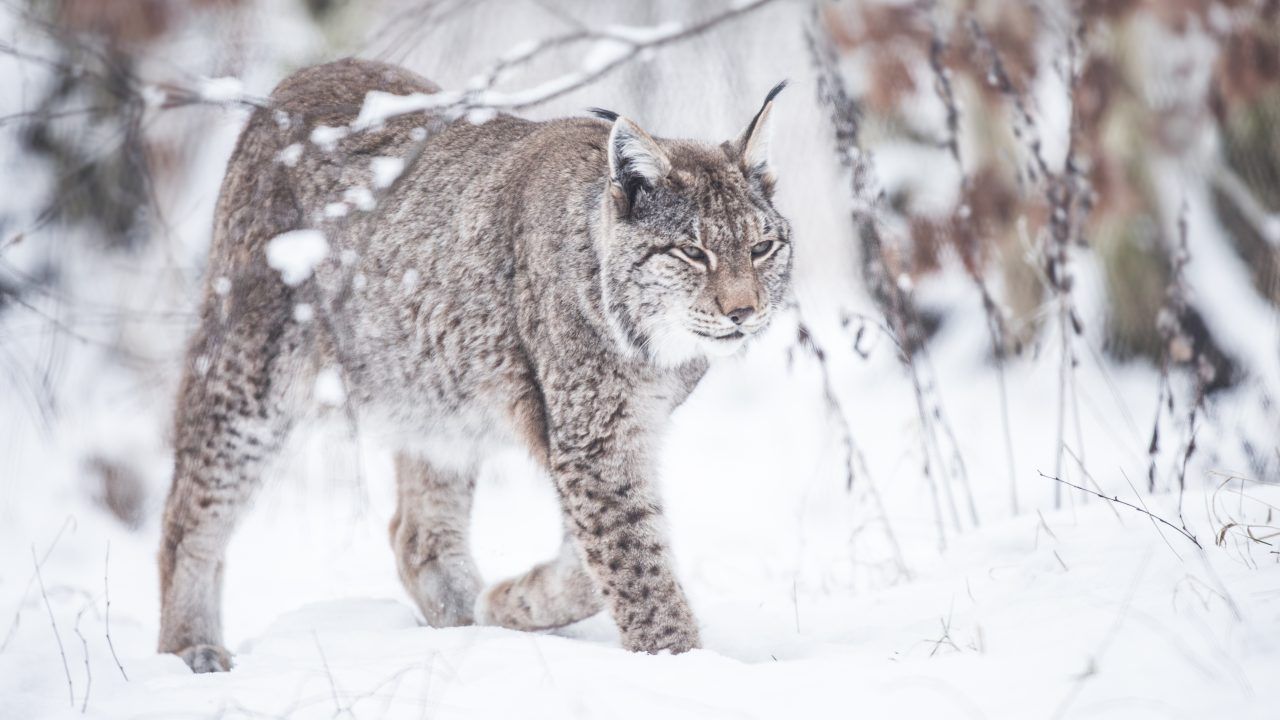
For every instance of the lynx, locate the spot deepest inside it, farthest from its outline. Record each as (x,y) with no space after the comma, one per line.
(559,286)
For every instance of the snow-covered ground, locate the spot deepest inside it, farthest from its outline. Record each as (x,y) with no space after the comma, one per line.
(1090,611)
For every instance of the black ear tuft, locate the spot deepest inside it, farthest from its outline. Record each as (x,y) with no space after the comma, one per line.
(752,145)
(774,92)
(603,114)
(767,99)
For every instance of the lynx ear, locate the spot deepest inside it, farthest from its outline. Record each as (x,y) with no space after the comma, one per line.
(753,144)
(635,163)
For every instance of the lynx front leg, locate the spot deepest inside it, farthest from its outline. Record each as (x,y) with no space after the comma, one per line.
(429,533)
(600,460)
(551,595)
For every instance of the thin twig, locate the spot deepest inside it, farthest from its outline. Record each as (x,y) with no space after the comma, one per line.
(333,684)
(1115,499)
(106,588)
(66,668)
(17,615)
(806,341)
(1136,494)
(88,672)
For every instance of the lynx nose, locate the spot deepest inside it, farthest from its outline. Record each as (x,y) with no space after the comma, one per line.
(737,297)
(740,315)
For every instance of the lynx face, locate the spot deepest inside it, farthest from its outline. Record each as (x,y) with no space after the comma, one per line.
(697,259)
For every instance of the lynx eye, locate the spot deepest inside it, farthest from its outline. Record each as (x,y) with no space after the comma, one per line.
(693,252)
(761,249)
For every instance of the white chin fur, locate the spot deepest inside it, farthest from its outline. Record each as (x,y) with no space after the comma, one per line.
(722,348)
(671,347)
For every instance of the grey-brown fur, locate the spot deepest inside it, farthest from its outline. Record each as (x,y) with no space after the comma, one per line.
(522,282)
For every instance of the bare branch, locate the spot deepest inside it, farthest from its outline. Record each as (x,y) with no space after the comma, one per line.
(1115,499)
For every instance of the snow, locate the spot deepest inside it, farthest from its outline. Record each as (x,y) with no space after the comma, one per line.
(296,253)
(385,170)
(153,96)
(520,51)
(480,116)
(360,196)
(605,52)
(326,137)
(222,89)
(1085,612)
(379,106)
(644,34)
(329,389)
(518,98)
(290,155)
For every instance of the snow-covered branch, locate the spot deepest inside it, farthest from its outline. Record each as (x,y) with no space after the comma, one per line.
(609,48)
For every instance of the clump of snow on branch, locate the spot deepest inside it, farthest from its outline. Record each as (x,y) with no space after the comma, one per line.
(605,52)
(379,106)
(221,90)
(644,34)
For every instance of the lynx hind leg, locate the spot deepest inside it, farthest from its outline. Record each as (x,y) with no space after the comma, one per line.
(229,425)
(429,534)
(551,595)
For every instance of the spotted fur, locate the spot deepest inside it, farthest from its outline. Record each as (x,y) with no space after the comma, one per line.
(528,283)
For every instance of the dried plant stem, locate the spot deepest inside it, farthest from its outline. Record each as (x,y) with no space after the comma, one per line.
(17,615)
(106,589)
(1182,531)
(1063,363)
(835,410)
(338,709)
(66,668)
(88,671)
(1008,433)
(892,292)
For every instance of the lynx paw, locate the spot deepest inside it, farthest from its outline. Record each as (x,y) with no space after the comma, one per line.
(662,627)
(676,641)
(206,658)
(445,592)
(491,607)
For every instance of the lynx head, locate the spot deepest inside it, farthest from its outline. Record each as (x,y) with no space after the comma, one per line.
(695,259)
